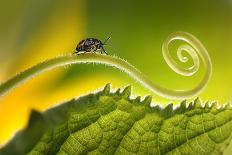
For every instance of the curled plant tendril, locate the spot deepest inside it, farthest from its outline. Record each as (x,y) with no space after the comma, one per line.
(194,50)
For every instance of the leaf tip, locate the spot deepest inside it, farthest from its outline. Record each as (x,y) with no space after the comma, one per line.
(168,110)
(197,103)
(137,99)
(126,92)
(117,92)
(183,104)
(147,100)
(106,89)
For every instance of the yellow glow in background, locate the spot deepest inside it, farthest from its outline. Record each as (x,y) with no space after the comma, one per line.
(34,31)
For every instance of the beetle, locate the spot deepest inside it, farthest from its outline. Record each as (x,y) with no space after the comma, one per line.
(91,45)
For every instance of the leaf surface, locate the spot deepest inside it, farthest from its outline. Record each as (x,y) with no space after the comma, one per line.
(113,123)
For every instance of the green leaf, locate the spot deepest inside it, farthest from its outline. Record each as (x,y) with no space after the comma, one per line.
(113,123)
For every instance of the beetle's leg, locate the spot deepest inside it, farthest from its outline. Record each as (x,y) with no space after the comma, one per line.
(77,52)
(104,51)
(88,50)
(101,51)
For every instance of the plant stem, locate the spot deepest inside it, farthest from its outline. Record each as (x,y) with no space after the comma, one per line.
(129,69)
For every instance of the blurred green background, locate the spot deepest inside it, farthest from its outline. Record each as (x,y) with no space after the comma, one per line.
(32,31)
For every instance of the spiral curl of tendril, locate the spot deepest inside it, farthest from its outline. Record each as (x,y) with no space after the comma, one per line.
(195,50)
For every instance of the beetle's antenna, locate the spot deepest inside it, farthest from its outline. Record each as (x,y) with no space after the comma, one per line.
(106,40)
(112,47)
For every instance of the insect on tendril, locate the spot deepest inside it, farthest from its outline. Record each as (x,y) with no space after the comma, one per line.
(195,50)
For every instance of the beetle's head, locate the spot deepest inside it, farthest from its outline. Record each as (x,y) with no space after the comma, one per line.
(79,48)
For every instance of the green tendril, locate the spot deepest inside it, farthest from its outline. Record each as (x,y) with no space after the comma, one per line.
(194,50)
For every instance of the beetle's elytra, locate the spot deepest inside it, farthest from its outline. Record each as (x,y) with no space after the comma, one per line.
(91,45)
